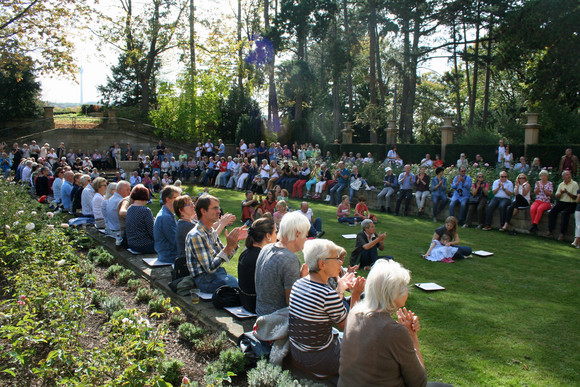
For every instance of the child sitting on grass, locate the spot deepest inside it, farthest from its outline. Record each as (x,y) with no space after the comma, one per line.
(362,211)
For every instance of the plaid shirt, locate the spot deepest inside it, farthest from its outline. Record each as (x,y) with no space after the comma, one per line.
(204,251)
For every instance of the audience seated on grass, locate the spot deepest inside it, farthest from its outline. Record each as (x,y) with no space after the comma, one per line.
(278,266)
(450,229)
(315,307)
(365,253)
(139,222)
(261,233)
(343,212)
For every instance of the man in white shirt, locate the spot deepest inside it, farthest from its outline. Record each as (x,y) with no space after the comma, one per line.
(87,196)
(315,224)
(243,148)
(427,162)
(503,190)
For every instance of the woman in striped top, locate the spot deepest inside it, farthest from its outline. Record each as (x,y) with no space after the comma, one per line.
(315,307)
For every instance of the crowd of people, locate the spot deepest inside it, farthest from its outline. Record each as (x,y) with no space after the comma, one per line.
(186,233)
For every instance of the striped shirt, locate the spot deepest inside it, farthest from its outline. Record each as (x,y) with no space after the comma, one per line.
(314,307)
(204,251)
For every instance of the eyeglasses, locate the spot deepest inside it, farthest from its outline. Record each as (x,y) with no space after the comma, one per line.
(503,176)
(521,178)
(338,259)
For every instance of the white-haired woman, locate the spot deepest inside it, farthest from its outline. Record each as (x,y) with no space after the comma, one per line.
(315,307)
(278,266)
(392,346)
(111,189)
(100,187)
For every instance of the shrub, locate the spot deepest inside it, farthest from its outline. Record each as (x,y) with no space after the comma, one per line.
(143,295)
(176,318)
(104,259)
(113,271)
(266,375)
(124,276)
(211,345)
(158,305)
(94,253)
(97,298)
(232,360)
(171,371)
(89,280)
(112,304)
(134,284)
(189,332)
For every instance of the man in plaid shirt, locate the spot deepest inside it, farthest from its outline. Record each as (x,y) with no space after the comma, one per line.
(204,251)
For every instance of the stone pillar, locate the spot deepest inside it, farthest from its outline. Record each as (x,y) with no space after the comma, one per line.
(373,136)
(446,134)
(347,133)
(391,132)
(49,117)
(112,121)
(532,130)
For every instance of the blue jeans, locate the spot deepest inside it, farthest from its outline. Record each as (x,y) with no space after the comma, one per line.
(462,211)
(315,227)
(439,201)
(210,282)
(335,193)
(349,219)
(224,178)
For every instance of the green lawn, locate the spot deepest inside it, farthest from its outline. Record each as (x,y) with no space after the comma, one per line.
(511,319)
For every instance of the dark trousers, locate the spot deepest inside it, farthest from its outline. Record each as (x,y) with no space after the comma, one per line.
(519,201)
(478,208)
(564,209)
(404,194)
(501,204)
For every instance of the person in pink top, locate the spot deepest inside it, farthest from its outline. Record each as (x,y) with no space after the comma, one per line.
(343,212)
(543,190)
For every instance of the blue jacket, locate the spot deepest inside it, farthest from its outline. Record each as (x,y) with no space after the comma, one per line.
(164,231)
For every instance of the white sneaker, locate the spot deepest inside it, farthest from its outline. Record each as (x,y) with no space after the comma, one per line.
(327,198)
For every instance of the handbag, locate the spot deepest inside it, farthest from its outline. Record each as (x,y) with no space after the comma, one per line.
(355,185)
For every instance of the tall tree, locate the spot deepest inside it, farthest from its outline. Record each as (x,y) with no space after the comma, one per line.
(34,33)
(144,32)
(19,92)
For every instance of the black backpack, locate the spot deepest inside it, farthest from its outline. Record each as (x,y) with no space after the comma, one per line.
(225,297)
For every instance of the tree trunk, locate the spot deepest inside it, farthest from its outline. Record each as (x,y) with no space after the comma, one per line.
(336,117)
(406,80)
(348,62)
(299,92)
(456,79)
(381,83)
(192,68)
(487,73)
(467,76)
(473,99)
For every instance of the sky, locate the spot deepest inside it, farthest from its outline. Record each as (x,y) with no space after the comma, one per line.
(94,64)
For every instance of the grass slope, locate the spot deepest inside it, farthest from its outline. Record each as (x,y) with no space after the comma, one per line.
(511,319)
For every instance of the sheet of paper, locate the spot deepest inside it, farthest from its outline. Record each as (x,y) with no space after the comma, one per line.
(349,236)
(483,253)
(154,262)
(205,296)
(240,312)
(429,286)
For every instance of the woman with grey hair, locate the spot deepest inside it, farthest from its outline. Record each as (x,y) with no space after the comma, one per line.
(278,266)
(370,329)
(315,307)
(100,187)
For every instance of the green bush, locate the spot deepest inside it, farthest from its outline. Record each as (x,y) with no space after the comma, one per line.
(231,360)
(189,332)
(113,271)
(88,280)
(112,304)
(124,276)
(135,284)
(158,305)
(94,253)
(171,371)
(176,318)
(104,259)
(97,298)
(268,375)
(143,295)
(211,345)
